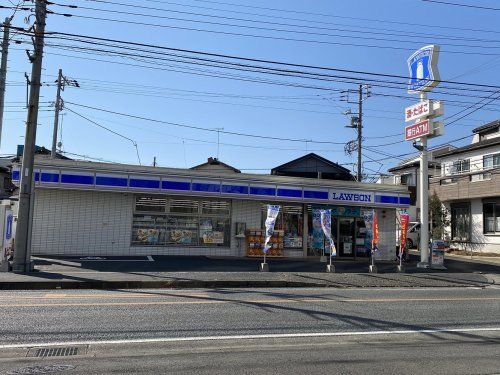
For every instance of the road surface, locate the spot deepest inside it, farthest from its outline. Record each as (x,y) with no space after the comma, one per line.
(271,331)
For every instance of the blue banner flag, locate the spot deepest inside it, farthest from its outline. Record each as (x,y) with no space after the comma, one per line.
(326,225)
(272,214)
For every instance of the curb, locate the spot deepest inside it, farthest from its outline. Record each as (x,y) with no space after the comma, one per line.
(215,284)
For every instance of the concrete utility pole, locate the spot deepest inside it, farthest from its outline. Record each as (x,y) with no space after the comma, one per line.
(22,261)
(3,70)
(60,83)
(360,126)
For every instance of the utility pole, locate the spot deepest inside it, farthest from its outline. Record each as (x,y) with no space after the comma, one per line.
(62,81)
(3,70)
(360,126)
(56,115)
(22,256)
(356,123)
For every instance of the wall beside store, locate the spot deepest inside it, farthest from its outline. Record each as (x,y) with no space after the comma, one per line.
(74,223)
(248,212)
(387,233)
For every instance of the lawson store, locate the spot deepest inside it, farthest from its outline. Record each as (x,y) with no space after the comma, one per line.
(100,209)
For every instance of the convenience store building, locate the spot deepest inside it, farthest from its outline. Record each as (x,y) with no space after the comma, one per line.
(101,209)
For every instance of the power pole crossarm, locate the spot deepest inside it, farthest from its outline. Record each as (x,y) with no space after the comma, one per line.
(3,70)
(22,254)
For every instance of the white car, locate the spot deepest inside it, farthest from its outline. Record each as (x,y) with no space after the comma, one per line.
(413,235)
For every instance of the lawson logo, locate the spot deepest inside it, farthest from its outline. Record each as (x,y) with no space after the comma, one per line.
(351,196)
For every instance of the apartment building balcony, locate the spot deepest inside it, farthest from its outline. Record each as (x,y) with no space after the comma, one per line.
(478,184)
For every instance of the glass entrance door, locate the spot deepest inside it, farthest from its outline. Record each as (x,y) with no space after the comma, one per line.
(346,237)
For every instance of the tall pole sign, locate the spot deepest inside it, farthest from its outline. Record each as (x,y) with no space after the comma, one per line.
(424,76)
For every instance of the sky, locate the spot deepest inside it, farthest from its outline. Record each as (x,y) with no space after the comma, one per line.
(298,115)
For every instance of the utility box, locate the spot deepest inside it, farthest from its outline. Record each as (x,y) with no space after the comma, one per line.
(6,235)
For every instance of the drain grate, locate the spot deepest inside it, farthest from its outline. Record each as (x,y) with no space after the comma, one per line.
(56,352)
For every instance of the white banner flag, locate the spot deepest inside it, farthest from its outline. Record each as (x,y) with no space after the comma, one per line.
(272,214)
(326,225)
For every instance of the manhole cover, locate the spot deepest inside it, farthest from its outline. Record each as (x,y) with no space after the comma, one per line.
(46,369)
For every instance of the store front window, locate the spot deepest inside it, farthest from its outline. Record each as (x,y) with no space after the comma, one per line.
(349,232)
(290,221)
(162,221)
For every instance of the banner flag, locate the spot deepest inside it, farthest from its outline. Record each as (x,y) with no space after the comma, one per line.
(405,222)
(326,225)
(272,214)
(375,232)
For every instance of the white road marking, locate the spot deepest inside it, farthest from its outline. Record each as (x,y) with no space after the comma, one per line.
(150,258)
(249,337)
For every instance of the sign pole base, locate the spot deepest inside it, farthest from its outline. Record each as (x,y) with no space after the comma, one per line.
(400,268)
(423,265)
(330,268)
(264,267)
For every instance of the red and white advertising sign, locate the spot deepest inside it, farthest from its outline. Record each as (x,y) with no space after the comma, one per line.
(417,130)
(405,221)
(422,109)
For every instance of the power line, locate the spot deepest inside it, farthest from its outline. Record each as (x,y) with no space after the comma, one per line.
(204,129)
(255,60)
(461,5)
(156,16)
(109,130)
(263,36)
(260,16)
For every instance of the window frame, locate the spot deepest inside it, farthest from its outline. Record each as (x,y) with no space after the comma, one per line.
(453,209)
(196,217)
(458,166)
(496,217)
(493,156)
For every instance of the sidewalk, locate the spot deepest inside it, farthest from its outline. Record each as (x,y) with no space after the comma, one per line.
(203,272)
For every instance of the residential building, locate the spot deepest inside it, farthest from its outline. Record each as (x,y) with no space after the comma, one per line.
(215,165)
(313,166)
(469,187)
(407,173)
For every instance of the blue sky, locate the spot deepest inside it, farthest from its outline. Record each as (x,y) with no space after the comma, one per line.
(248,107)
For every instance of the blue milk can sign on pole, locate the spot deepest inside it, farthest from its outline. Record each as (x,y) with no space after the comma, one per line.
(422,65)
(7,240)
(326,225)
(272,214)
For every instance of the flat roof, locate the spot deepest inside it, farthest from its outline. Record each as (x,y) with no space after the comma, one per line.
(182,172)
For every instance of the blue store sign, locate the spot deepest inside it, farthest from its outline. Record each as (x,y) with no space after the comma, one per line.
(424,74)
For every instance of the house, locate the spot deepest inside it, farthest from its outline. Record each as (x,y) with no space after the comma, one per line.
(407,173)
(469,187)
(313,166)
(215,165)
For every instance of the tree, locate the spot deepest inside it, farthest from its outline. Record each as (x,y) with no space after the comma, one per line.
(438,217)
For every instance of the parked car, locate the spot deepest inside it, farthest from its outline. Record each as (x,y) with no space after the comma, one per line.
(413,235)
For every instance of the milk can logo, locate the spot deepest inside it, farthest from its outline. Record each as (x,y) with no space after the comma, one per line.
(422,65)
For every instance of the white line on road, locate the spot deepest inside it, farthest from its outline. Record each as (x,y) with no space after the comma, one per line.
(150,258)
(249,337)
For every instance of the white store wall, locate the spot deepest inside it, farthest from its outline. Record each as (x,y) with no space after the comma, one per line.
(82,223)
(94,223)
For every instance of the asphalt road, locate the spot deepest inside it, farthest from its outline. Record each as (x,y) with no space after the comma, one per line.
(439,331)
